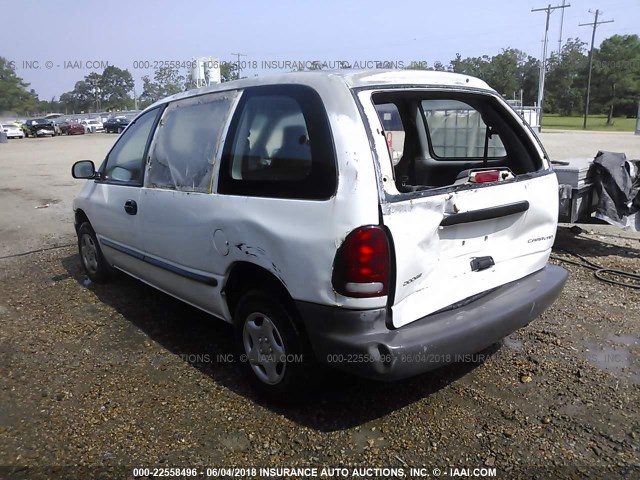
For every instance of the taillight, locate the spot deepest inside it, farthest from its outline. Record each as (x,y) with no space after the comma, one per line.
(361,267)
(485,177)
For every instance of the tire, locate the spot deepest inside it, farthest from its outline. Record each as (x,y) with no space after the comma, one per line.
(273,350)
(93,261)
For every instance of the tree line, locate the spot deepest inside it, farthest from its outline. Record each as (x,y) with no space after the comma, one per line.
(615,86)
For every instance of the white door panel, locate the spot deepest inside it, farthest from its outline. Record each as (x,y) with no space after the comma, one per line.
(108,217)
(177,229)
(433,263)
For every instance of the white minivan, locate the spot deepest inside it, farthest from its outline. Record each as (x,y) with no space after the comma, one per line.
(383,222)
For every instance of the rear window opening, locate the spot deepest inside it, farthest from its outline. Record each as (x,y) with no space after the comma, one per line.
(440,139)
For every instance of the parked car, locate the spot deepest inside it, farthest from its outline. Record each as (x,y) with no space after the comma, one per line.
(39,127)
(71,128)
(92,125)
(63,125)
(116,125)
(274,204)
(12,130)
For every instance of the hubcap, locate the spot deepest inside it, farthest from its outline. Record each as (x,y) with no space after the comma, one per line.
(264,348)
(89,253)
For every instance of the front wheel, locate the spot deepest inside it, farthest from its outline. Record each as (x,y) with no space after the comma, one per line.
(273,348)
(93,261)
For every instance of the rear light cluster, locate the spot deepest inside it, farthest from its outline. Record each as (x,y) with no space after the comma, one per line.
(485,177)
(361,267)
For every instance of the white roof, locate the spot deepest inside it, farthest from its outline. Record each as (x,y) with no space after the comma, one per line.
(350,78)
(411,77)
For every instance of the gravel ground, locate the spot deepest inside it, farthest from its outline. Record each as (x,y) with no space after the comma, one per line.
(122,375)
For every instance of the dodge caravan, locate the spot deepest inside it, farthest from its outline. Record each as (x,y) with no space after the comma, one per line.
(384,222)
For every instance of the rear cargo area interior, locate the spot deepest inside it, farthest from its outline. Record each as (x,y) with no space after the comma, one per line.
(436,138)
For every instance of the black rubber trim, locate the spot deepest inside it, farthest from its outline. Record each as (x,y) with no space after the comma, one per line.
(120,248)
(485,214)
(207,280)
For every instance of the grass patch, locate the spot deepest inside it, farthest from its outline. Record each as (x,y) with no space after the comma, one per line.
(595,122)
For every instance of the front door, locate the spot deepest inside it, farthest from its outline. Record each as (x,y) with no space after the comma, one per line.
(114,211)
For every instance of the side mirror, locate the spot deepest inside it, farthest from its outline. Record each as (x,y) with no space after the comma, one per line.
(84,169)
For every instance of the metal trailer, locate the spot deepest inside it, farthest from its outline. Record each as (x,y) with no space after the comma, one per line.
(578,197)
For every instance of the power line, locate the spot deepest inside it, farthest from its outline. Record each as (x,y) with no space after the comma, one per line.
(543,64)
(595,24)
(238,55)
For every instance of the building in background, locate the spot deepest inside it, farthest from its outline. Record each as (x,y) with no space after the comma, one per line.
(205,71)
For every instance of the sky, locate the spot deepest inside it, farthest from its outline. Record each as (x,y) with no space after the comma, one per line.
(63,37)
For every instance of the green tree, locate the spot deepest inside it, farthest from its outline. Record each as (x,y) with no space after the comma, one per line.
(70,103)
(566,79)
(109,90)
(150,92)
(169,80)
(14,96)
(166,81)
(530,71)
(438,66)
(84,96)
(616,76)
(473,66)
(228,71)
(115,86)
(508,72)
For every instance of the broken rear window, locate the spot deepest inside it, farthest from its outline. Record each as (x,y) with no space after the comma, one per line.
(439,138)
(457,130)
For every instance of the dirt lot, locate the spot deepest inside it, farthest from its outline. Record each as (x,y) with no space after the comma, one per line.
(122,375)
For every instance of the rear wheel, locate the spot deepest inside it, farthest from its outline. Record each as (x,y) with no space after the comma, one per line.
(93,261)
(273,349)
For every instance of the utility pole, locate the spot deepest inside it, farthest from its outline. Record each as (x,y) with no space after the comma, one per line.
(96,93)
(238,55)
(593,38)
(543,64)
(561,25)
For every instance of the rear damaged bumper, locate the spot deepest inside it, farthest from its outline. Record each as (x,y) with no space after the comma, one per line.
(359,341)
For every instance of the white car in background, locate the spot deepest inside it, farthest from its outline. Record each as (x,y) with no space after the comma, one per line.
(91,125)
(12,131)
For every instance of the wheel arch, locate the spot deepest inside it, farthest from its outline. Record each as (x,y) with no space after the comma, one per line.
(245,276)
(80,218)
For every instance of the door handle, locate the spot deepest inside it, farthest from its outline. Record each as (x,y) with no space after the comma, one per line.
(482,263)
(131,207)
